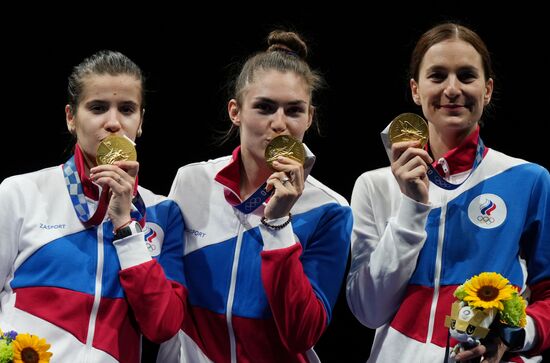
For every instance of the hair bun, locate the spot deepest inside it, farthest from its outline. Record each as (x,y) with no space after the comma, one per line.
(285,41)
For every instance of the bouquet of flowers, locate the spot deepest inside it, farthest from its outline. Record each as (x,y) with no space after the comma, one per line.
(23,348)
(481,300)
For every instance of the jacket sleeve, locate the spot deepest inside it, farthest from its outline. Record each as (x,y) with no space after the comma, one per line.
(302,280)
(382,258)
(538,310)
(536,247)
(11,218)
(155,287)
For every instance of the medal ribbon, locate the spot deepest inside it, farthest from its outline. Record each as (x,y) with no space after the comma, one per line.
(438,180)
(255,200)
(74,187)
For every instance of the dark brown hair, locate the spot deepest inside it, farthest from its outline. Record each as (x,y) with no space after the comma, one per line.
(444,32)
(102,62)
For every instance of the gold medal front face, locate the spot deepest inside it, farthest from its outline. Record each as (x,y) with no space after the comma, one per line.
(287,146)
(409,127)
(115,148)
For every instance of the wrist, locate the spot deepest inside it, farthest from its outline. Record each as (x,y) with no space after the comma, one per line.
(121,223)
(275,226)
(127,229)
(512,337)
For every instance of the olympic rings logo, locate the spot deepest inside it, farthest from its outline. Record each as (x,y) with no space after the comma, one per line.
(252,203)
(485,219)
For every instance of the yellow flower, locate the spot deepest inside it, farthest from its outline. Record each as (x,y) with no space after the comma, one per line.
(30,349)
(487,290)
(522,322)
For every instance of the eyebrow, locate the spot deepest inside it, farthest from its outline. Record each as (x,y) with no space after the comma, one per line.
(130,103)
(265,99)
(436,68)
(100,101)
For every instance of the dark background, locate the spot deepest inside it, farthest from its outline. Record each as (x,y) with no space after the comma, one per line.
(189,56)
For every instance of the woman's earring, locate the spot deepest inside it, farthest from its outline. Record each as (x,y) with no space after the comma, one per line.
(138,133)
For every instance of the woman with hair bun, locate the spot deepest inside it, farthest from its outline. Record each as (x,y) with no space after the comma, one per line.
(266,244)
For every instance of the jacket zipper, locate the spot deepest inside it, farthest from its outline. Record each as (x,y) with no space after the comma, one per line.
(231,295)
(97,294)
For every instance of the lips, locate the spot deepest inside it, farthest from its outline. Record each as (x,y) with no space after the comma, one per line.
(453,106)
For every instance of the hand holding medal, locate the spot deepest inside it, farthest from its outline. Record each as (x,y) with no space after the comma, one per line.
(115,154)
(408,134)
(117,168)
(285,155)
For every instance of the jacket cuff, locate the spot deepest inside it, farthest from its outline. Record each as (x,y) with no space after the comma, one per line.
(412,215)
(277,238)
(132,251)
(530,335)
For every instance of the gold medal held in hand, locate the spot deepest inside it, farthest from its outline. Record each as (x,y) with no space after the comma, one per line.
(287,146)
(409,127)
(115,148)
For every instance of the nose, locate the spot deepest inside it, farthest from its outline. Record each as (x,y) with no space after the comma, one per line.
(452,88)
(112,123)
(278,121)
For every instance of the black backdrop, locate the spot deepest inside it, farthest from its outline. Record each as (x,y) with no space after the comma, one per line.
(188,57)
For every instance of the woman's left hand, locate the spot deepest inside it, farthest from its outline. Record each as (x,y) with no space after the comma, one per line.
(288,182)
(120,177)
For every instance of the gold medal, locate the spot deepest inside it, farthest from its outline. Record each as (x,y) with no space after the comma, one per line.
(287,146)
(115,148)
(409,127)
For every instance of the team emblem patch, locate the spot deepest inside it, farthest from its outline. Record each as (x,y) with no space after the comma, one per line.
(487,211)
(154,236)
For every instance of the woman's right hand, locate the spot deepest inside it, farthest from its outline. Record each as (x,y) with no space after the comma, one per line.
(410,166)
(288,182)
(120,178)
